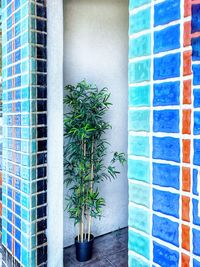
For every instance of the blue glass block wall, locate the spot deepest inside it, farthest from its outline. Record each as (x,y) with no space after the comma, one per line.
(164,128)
(24,196)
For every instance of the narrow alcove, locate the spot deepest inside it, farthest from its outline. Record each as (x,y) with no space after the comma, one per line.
(96,49)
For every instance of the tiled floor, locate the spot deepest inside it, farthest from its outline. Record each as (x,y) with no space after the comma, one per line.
(110,250)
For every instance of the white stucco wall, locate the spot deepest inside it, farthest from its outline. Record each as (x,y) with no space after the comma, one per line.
(55,138)
(96,48)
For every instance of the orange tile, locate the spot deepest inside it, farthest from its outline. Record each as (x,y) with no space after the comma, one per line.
(186,179)
(187,63)
(187,33)
(187,8)
(185,208)
(185,260)
(186,237)
(186,150)
(187,92)
(0,178)
(186,121)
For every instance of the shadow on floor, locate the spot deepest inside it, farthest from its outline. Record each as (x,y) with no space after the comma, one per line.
(109,250)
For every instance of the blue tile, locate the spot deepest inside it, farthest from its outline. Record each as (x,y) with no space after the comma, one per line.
(166,175)
(166,94)
(195,183)
(17,250)
(196,48)
(196,218)
(164,256)
(166,230)
(196,242)
(196,74)
(166,12)
(196,123)
(166,148)
(166,121)
(195,18)
(196,263)
(166,202)
(9,242)
(171,34)
(167,66)
(196,93)
(196,157)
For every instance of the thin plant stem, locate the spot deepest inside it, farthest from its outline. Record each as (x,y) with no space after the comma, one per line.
(91,186)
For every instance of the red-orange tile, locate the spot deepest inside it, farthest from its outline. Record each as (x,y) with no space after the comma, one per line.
(0,178)
(0,208)
(186,237)
(187,33)
(187,63)
(185,260)
(187,8)
(187,85)
(186,150)
(186,121)
(186,179)
(185,208)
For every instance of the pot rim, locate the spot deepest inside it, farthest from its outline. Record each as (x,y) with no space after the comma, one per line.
(84,241)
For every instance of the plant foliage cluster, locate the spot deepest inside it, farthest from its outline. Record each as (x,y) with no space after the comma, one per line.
(84,153)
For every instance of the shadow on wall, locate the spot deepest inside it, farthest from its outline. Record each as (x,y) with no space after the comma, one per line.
(96,48)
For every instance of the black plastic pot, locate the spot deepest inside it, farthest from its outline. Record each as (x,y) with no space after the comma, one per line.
(84,249)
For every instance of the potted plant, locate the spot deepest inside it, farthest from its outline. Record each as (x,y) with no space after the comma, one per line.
(84,152)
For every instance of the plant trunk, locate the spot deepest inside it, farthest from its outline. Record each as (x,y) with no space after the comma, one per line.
(91,188)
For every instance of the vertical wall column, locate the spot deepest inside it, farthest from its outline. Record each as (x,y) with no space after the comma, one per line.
(24,197)
(140,144)
(164,128)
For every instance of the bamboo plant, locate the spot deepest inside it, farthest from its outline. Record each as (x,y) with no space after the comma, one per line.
(84,153)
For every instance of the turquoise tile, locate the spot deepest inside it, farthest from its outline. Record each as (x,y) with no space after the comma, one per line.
(33,240)
(26,160)
(25,257)
(25,106)
(140,46)
(33,229)
(25,202)
(25,80)
(25,227)
(139,146)
(139,120)
(139,96)
(33,258)
(139,244)
(140,21)
(33,214)
(34,187)
(25,119)
(139,194)
(25,133)
(134,261)
(25,146)
(139,219)
(25,37)
(33,174)
(33,204)
(26,93)
(25,52)
(138,3)
(26,215)
(25,173)
(25,187)
(139,170)
(25,241)
(140,71)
